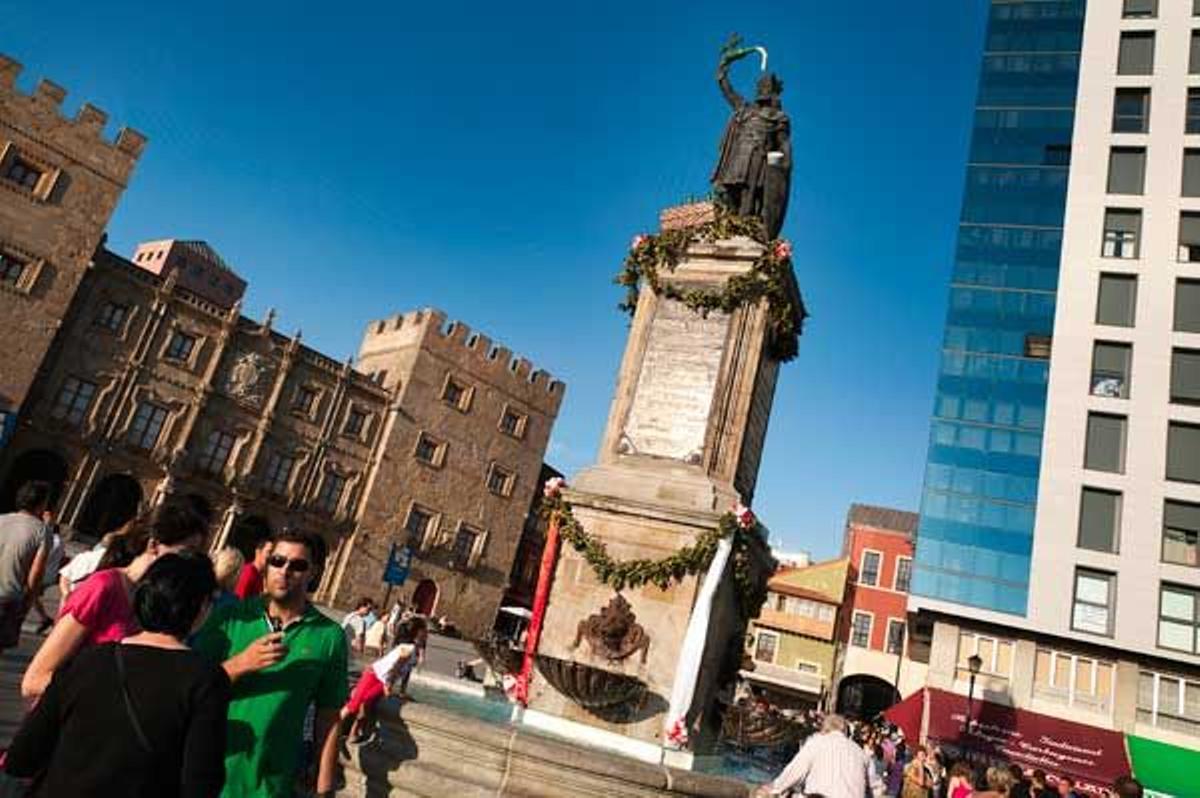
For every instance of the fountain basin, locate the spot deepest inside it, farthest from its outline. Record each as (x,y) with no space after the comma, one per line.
(424,750)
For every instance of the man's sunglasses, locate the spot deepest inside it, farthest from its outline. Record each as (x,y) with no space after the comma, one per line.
(292,566)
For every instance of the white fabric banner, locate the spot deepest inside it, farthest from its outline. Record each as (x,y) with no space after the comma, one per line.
(675,731)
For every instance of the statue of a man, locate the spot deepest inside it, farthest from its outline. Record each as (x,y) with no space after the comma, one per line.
(754,171)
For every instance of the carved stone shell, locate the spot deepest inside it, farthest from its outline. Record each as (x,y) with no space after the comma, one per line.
(591,688)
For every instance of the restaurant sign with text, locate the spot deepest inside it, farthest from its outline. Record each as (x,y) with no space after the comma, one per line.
(1092,756)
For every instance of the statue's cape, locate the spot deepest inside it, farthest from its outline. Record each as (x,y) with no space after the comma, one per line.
(726,146)
(776,115)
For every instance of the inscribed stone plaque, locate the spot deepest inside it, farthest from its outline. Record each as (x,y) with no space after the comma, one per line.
(673,397)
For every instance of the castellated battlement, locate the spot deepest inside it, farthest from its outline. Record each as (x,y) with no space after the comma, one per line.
(430,328)
(40,116)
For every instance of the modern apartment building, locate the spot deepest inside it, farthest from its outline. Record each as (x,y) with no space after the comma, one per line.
(1060,518)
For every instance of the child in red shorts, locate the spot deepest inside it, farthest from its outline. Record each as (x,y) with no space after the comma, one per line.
(378,679)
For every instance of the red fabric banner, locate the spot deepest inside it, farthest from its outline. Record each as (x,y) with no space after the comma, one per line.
(1093,757)
(540,598)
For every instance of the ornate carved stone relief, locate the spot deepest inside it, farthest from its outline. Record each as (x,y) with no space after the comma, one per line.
(613,633)
(248,379)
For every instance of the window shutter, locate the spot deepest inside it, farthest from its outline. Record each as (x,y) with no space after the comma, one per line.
(1178,515)
(1105,443)
(1140,8)
(1099,513)
(1189,229)
(1187,306)
(1136,56)
(1112,358)
(1183,452)
(1118,300)
(1185,375)
(1123,221)
(1191,173)
(1194,59)
(1127,170)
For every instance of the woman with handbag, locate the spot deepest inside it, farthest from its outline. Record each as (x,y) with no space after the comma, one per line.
(141,717)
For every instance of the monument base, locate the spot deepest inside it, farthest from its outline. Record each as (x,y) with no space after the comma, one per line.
(580,614)
(432,752)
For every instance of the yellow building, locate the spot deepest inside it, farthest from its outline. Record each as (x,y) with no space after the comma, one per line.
(792,643)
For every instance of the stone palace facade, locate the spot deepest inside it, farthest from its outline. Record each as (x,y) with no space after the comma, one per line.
(125,381)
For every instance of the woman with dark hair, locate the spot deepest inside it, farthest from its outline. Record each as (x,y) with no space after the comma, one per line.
(93,734)
(100,610)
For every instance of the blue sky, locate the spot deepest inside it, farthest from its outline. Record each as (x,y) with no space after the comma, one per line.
(494,159)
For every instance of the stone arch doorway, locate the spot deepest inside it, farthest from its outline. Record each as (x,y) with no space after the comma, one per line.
(864,696)
(35,464)
(425,597)
(114,501)
(247,533)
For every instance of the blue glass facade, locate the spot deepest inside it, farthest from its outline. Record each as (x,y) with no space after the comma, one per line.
(977,509)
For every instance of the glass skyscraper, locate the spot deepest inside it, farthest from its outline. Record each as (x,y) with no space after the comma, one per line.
(977,511)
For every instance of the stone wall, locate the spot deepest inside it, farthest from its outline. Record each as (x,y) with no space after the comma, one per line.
(430,752)
(241,379)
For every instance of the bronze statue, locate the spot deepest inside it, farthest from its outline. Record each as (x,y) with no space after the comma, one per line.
(754,172)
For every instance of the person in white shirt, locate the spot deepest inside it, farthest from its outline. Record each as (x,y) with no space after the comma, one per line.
(82,566)
(380,678)
(829,764)
(357,623)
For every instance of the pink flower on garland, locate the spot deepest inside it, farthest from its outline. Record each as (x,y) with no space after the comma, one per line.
(744,516)
(783,250)
(553,487)
(638,242)
(677,735)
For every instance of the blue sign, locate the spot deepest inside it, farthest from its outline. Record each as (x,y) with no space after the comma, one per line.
(398,565)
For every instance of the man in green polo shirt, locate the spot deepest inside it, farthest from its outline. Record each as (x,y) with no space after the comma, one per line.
(281,654)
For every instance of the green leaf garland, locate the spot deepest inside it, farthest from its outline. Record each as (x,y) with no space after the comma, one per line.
(770,277)
(670,570)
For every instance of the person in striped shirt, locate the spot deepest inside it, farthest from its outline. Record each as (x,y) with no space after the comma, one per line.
(829,765)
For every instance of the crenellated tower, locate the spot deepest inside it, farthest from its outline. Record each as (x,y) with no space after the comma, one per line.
(461,454)
(60,180)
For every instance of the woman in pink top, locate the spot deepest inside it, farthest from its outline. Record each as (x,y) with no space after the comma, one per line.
(99,610)
(960,781)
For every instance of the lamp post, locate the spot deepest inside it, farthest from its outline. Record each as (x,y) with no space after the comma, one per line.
(974,664)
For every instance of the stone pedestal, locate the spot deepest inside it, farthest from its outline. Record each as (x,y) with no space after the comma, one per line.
(682,446)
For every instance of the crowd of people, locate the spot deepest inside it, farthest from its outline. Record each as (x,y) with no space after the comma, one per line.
(170,673)
(848,759)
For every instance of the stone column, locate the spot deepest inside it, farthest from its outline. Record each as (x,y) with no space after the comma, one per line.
(1024,660)
(1125,696)
(166,486)
(228,522)
(78,489)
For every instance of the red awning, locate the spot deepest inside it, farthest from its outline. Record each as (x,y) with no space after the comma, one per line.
(1093,757)
(907,715)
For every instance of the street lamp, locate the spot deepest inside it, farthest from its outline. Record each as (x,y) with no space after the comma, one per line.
(974,664)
